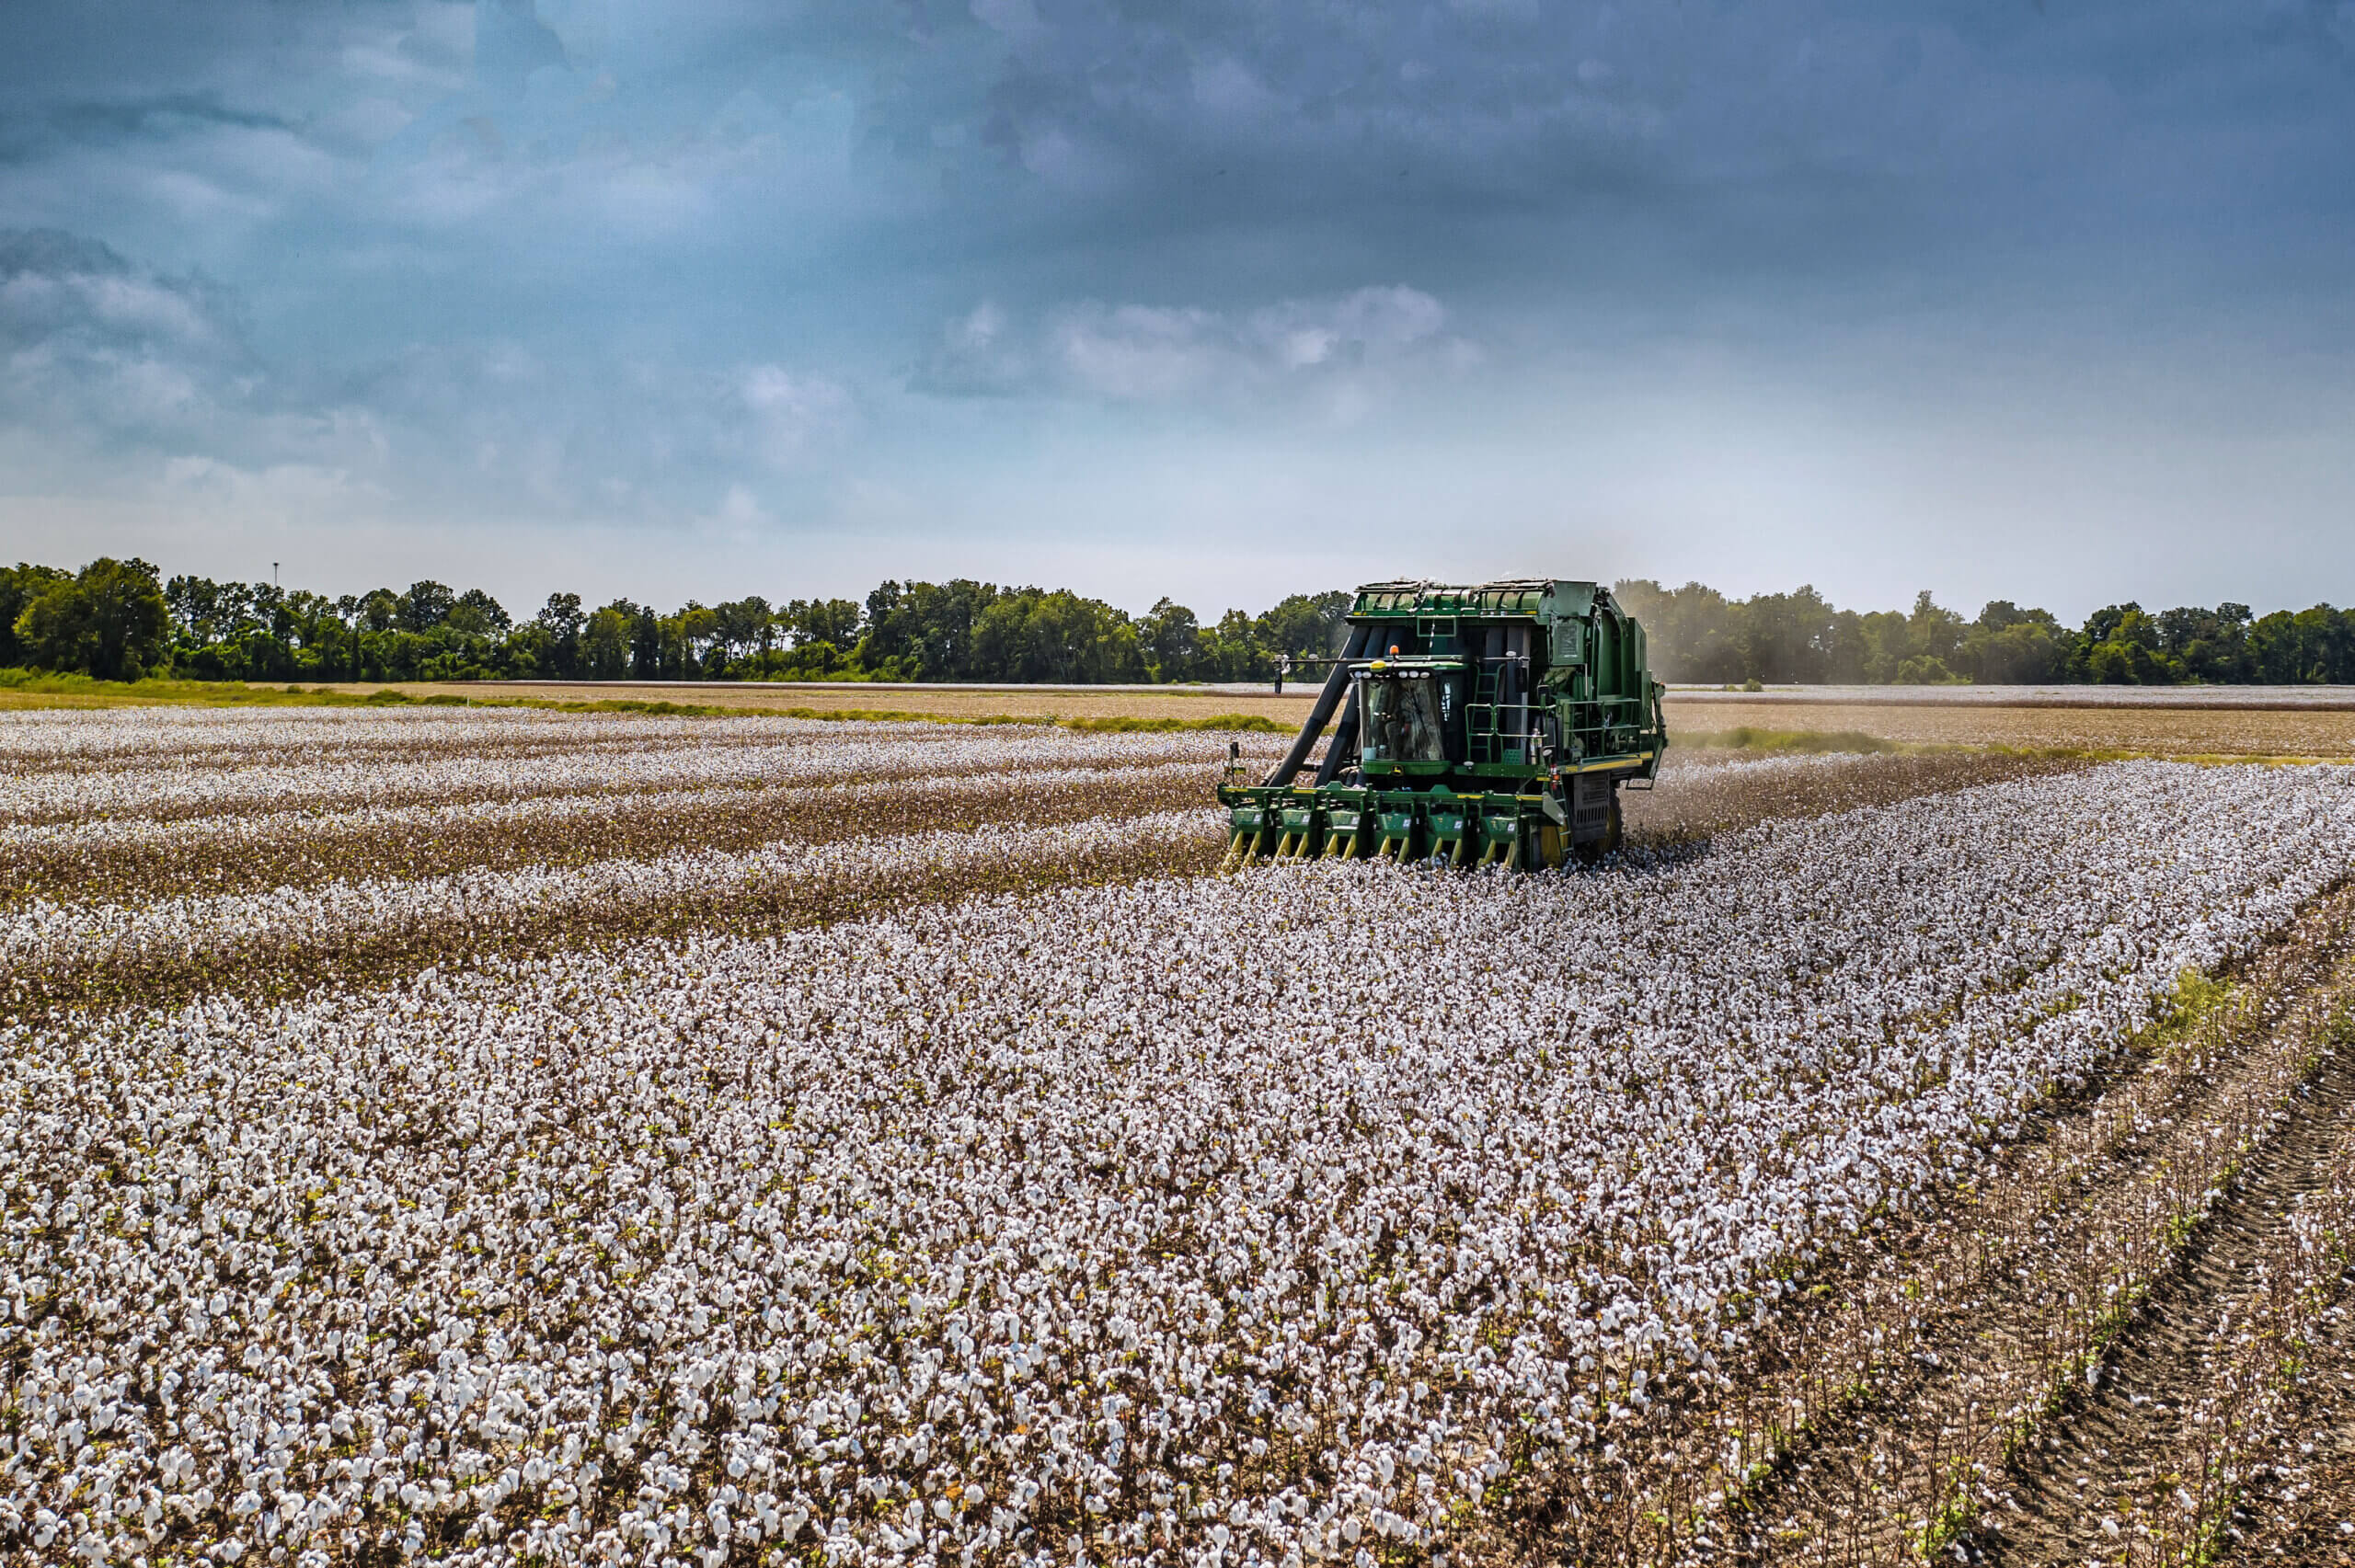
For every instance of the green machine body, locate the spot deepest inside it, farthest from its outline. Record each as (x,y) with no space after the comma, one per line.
(1493,724)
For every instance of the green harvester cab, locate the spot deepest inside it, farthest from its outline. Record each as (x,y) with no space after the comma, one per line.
(1490,725)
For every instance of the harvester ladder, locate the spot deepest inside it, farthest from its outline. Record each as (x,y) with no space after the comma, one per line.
(1480,714)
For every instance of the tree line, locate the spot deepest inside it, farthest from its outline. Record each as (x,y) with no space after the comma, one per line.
(119,620)
(1699,634)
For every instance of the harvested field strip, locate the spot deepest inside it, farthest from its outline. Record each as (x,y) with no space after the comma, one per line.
(177,753)
(2157,1462)
(947,703)
(2116,731)
(134,861)
(1156,708)
(1876,1427)
(2297,1501)
(350,932)
(184,750)
(1745,738)
(451,752)
(1703,793)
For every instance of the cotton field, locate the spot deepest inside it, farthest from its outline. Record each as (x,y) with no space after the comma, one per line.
(1015,1202)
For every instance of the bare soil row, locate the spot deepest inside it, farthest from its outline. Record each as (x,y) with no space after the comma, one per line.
(1692,799)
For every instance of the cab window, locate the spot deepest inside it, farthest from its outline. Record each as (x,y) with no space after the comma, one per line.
(1400,720)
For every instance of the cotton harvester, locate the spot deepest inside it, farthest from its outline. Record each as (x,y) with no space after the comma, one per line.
(1490,725)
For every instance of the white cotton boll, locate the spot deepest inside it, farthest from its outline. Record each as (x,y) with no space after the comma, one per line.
(910,1194)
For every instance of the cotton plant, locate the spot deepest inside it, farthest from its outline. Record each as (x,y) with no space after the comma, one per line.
(1306,1216)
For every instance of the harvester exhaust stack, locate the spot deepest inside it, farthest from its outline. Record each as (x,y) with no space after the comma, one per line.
(1490,726)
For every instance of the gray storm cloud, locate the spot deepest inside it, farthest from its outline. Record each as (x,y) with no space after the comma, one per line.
(93,343)
(1750,292)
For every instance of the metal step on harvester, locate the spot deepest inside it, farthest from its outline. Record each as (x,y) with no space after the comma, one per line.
(1487,725)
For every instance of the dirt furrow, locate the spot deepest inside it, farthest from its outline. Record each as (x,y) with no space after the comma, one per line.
(2105,1467)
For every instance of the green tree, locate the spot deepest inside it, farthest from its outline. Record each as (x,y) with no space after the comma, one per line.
(1030,634)
(1784,636)
(2120,646)
(561,621)
(646,645)
(1305,625)
(835,621)
(1171,641)
(746,629)
(109,620)
(605,641)
(2206,645)
(2306,648)
(1844,647)
(476,613)
(1232,651)
(2008,646)
(688,640)
(424,606)
(1690,630)
(923,631)
(19,586)
(1934,638)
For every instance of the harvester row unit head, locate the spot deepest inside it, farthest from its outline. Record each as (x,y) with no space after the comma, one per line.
(1485,725)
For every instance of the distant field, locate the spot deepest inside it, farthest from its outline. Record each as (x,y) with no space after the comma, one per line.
(2312,698)
(948,702)
(2170,721)
(2138,726)
(2252,721)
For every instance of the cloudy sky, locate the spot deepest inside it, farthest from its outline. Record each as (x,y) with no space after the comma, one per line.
(2041,299)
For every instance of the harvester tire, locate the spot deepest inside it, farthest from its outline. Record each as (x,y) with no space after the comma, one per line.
(1612,836)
